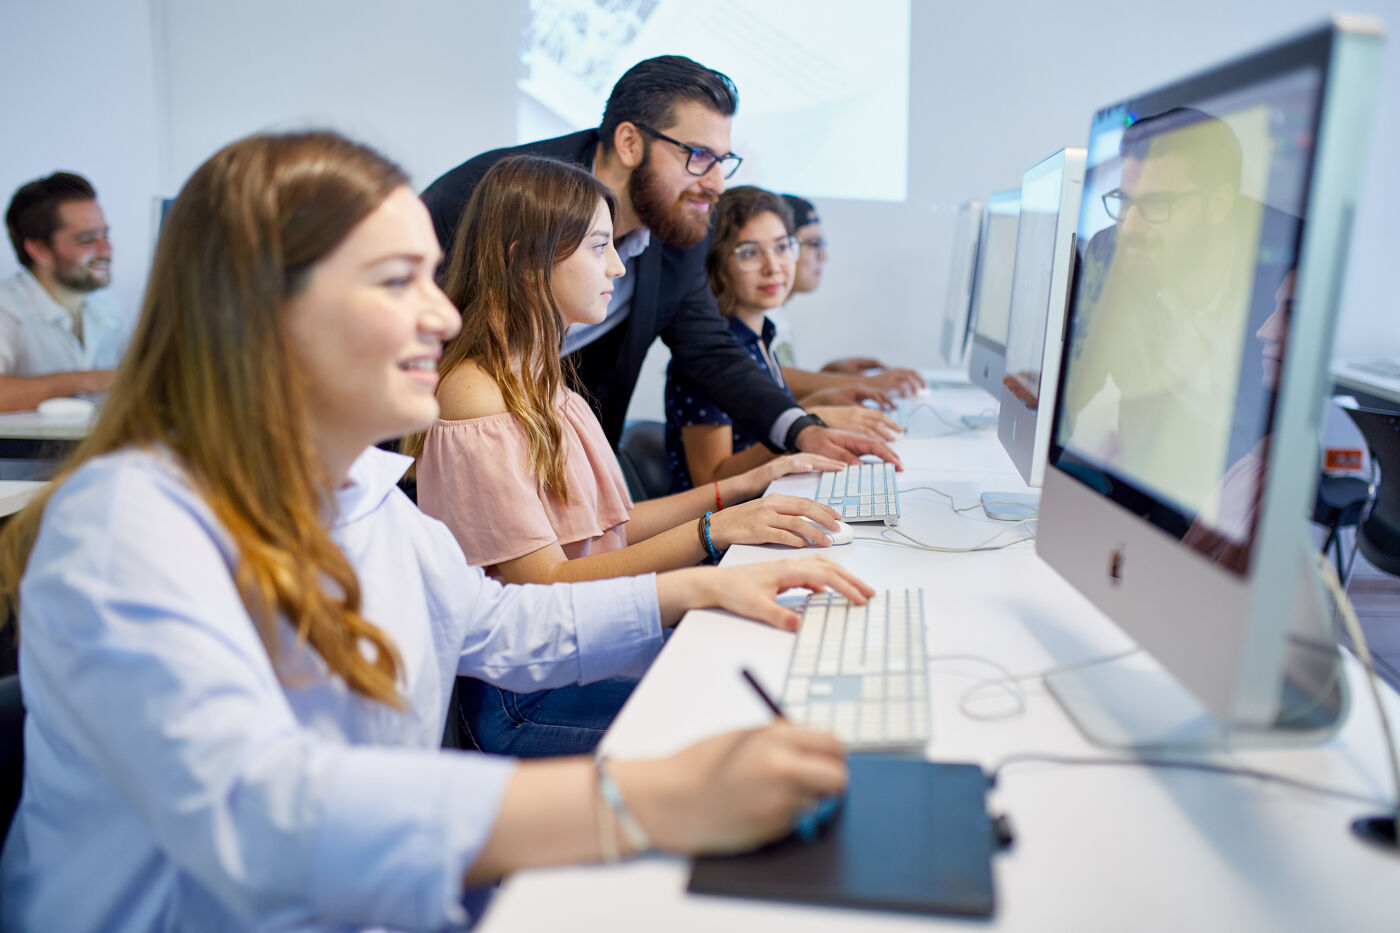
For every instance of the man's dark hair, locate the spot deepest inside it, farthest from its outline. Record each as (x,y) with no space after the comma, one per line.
(1210,147)
(649,91)
(33,211)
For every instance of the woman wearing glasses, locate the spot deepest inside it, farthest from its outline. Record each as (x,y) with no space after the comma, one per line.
(517,465)
(752,265)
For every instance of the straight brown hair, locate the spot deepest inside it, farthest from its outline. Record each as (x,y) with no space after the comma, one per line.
(210,378)
(527,214)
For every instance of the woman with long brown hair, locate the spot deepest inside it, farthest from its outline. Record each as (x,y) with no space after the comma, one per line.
(517,464)
(238,637)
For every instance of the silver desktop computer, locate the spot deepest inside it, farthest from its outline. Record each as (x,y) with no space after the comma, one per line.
(1051,191)
(991,291)
(1185,446)
(957,304)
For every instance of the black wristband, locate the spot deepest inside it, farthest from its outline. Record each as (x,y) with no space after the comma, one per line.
(797,427)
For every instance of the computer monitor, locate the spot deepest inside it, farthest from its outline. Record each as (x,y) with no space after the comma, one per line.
(991,291)
(1050,194)
(957,304)
(1184,451)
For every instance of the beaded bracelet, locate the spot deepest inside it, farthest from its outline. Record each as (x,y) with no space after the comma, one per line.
(615,807)
(705,535)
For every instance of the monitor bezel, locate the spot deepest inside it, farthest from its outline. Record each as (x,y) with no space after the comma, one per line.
(987,357)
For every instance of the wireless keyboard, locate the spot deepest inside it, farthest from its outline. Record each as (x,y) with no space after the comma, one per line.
(863,492)
(861,672)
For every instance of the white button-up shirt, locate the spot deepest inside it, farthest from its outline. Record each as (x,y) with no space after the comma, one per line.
(36,332)
(174,781)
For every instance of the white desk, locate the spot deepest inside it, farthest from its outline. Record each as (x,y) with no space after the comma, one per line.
(30,425)
(1097,848)
(15,495)
(1359,380)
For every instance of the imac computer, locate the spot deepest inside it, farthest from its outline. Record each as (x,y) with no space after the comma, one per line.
(957,305)
(991,291)
(1050,194)
(1185,445)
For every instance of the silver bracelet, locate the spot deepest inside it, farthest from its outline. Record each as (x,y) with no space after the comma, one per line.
(612,798)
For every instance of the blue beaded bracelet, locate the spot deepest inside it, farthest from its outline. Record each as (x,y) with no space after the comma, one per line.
(705,533)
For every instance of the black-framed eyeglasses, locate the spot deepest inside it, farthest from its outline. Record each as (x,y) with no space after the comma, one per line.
(1156,208)
(698,161)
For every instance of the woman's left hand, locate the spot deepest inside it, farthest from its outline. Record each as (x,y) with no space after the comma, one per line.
(755,482)
(861,420)
(752,590)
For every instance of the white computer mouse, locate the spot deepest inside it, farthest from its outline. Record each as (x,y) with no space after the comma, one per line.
(67,409)
(844,534)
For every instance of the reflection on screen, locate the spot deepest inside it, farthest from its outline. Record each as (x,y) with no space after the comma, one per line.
(812,80)
(1189,236)
(1030,284)
(995,261)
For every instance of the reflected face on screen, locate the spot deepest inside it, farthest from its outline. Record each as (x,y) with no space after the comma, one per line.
(673,203)
(1274,331)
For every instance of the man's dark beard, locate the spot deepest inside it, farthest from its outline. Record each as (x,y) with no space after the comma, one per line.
(665,218)
(79,279)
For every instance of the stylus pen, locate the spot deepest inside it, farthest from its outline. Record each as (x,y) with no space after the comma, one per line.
(762,694)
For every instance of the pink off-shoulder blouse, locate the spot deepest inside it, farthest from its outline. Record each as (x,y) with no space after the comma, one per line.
(475,477)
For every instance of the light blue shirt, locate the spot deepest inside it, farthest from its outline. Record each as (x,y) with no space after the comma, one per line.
(36,332)
(174,780)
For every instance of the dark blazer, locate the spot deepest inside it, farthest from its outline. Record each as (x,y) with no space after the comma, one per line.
(672,300)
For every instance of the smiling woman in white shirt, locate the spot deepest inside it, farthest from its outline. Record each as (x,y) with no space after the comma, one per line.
(238,637)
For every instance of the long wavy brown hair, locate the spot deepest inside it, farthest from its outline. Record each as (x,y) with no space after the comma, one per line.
(527,214)
(210,378)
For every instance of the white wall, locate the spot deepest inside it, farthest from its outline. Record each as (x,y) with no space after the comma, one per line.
(135,93)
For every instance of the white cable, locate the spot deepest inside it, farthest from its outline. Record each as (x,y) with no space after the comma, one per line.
(1011,682)
(912,410)
(925,546)
(953,503)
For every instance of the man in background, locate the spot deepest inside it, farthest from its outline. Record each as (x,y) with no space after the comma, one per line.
(61,331)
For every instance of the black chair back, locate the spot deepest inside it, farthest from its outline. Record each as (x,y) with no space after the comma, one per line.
(1379,534)
(11,750)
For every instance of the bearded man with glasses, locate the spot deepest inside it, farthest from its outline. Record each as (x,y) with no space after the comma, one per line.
(663,148)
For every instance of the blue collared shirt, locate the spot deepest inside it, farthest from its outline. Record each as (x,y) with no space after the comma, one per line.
(687,403)
(175,779)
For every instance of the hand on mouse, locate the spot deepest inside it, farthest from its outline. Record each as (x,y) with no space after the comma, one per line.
(774,519)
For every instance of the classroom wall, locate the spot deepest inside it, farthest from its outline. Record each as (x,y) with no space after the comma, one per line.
(135,93)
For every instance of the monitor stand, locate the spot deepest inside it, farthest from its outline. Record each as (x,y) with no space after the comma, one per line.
(1133,703)
(1011,506)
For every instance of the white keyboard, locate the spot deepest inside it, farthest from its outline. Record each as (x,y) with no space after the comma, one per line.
(861,672)
(863,492)
(1388,369)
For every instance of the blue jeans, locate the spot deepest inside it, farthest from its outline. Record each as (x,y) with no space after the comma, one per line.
(567,721)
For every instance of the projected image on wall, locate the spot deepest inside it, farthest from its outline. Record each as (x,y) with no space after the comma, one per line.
(823,96)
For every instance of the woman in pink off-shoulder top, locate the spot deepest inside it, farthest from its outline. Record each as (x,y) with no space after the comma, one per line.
(518,466)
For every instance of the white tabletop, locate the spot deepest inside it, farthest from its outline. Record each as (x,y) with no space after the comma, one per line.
(30,425)
(1097,848)
(1348,376)
(15,495)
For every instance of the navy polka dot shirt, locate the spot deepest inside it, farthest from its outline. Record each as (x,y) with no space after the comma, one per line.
(687,403)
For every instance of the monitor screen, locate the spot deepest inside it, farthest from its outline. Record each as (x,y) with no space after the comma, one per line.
(1030,283)
(991,296)
(1189,239)
(957,304)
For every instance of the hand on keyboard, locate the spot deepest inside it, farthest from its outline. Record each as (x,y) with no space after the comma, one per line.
(752,590)
(860,420)
(755,482)
(843,445)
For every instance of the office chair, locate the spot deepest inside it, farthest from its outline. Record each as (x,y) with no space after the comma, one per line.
(11,750)
(1340,503)
(643,452)
(1378,535)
